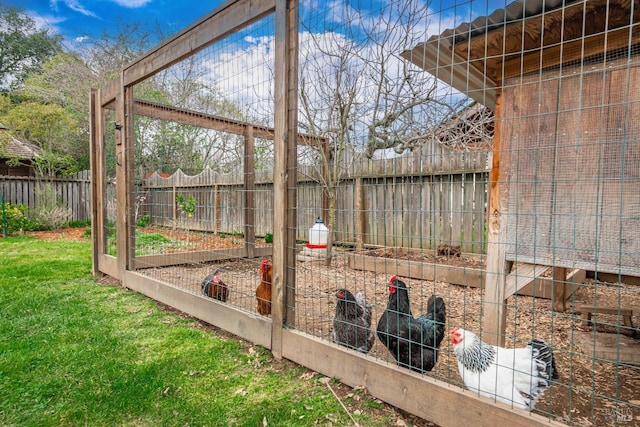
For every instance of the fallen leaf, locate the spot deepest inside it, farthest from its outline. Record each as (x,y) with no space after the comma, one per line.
(401,423)
(264,421)
(242,392)
(307,375)
(325,380)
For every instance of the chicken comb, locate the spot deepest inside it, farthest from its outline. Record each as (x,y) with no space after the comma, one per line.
(263,265)
(393,279)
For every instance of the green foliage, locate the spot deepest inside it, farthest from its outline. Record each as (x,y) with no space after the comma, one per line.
(50,127)
(186,205)
(143,221)
(268,238)
(18,219)
(50,213)
(24,47)
(78,224)
(87,233)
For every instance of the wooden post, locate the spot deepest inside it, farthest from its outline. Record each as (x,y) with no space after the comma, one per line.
(360,214)
(325,189)
(558,280)
(284,173)
(216,202)
(122,229)
(495,316)
(95,129)
(249,194)
(129,182)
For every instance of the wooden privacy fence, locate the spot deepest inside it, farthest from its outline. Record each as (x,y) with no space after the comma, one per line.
(72,192)
(380,203)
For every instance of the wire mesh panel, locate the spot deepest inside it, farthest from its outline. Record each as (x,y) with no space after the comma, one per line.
(417,104)
(200,214)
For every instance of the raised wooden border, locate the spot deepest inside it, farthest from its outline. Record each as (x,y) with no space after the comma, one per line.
(541,287)
(437,401)
(241,323)
(181,258)
(418,270)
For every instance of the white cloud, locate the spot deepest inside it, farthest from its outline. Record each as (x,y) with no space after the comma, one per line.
(73,5)
(132,4)
(46,22)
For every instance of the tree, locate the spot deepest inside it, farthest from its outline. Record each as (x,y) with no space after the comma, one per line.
(23,48)
(66,80)
(358,94)
(165,146)
(49,127)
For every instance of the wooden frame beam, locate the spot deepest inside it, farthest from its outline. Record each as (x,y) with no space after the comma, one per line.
(210,121)
(284,171)
(249,194)
(219,23)
(97,185)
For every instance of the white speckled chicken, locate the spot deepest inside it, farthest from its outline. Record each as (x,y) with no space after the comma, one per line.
(517,376)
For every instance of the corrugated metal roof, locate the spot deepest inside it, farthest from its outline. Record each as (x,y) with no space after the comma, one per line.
(518,10)
(471,76)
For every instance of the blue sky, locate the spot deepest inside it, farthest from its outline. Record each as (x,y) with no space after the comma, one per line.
(77,19)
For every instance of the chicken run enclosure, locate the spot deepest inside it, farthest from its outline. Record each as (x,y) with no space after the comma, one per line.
(487,153)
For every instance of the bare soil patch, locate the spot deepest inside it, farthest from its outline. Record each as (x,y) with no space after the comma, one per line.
(69,233)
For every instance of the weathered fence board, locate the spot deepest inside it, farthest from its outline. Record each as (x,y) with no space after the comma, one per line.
(412,210)
(72,192)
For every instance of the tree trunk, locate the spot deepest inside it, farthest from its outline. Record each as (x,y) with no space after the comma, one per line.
(331,224)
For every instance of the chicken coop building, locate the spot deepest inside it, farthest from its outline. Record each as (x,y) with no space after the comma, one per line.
(563,79)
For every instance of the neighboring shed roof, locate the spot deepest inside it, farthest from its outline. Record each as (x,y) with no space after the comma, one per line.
(10,147)
(525,36)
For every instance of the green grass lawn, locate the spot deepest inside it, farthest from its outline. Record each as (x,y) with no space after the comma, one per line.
(75,352)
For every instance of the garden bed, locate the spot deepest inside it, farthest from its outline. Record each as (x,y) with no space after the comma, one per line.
(463,270)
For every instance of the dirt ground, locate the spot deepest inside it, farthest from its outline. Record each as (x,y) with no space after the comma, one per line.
(590,392)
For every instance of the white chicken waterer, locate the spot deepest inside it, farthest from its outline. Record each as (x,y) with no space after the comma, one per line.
(316,249)
(318,235)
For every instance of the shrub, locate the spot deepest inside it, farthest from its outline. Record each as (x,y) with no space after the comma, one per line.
(17,219)
(53,218)
(268,238)
(143,221)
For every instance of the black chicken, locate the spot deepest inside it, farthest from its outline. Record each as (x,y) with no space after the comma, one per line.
(352,323)
(413,342)
(213,287)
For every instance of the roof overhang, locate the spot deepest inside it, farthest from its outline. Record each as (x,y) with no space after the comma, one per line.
(526,36)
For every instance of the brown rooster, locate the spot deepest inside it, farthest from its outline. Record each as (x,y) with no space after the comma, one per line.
(213,287)
(263,291)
